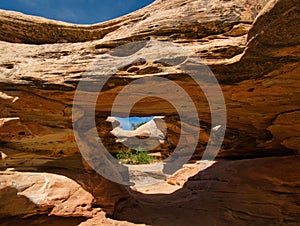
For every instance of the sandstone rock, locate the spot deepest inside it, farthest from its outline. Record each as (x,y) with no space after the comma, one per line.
(2,155)
(258,73)
(42,220)
(254,84)
(181,176)
(283,128)
(43,193)
(7,97)
(100,219)
(154,136)
(19,28)
(106,193)
(261,191)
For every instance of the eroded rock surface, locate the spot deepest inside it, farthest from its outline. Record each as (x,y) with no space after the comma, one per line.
(43,193)
(25,194)
(252,47)
(241,192)
(259,80)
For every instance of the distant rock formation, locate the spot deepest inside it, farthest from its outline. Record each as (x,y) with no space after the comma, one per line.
(149,130)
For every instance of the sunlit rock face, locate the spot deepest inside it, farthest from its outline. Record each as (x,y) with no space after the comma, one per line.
(44,191)
(151,135)
(252,47)
(250,72)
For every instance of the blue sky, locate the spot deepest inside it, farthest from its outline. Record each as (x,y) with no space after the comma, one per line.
(75,11)
(126,122)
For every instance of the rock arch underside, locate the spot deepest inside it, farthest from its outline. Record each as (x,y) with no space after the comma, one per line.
(252,47)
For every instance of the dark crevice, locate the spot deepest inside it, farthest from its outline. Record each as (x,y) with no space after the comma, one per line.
(7,66)
(282,113)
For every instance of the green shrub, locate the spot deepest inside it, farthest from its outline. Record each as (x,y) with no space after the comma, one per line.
(136,157)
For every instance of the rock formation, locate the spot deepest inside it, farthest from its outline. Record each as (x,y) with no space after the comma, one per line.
(153,136)
(240,192)
(252,47)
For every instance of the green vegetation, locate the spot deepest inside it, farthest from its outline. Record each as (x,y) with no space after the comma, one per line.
(136,157)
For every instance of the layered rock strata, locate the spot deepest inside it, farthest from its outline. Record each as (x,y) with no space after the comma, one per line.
(252,47)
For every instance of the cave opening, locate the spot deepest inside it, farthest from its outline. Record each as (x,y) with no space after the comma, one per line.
(139,140)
